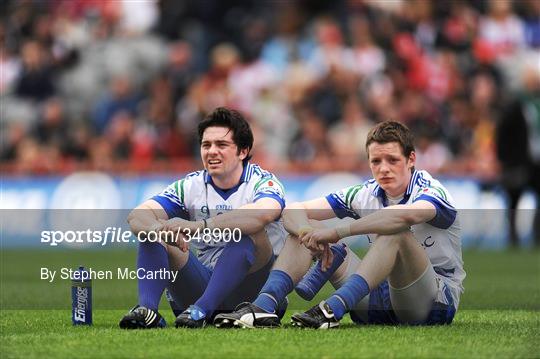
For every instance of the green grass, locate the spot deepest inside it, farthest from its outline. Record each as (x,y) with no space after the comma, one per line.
(499,316)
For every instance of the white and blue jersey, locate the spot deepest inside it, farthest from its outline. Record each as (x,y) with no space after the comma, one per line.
(440,237)
(196,197)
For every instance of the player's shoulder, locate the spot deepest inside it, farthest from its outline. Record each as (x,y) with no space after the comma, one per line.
(194,177)
(423,179)
(369,184)
(183,185)
(254,173)
(354,194)
(425,183)
(262,180)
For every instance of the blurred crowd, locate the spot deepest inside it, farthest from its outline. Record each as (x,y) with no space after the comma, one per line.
(121,85)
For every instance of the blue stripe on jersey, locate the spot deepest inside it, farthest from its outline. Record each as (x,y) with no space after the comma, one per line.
(445,215)
(412,182)
(339,207)
(245,173)
(225,194)
(444,272)
(278,198)
(172,208)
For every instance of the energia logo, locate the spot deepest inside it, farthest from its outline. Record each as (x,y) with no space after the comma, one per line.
(82,304)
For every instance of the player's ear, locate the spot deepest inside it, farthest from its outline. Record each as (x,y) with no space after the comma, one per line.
(243,153)
(411,160)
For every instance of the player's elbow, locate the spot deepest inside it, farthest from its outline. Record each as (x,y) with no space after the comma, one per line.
(132,216)
(290,209)
(132,219)
(412,217)
(268,215)
(293,206)
(136,216)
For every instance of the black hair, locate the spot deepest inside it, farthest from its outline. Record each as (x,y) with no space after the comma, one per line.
(234,121)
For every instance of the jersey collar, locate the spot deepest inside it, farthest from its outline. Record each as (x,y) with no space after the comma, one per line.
(243,177)
(379,192)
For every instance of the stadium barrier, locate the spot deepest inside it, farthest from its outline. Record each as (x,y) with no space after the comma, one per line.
(30,204)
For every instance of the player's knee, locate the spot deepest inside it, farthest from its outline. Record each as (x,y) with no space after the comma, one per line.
(245,247)
(245,242)
(153,243)
(395,239)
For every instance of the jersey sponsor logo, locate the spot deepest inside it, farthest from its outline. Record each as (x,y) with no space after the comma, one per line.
(271,184)
(435,192)
(224,207)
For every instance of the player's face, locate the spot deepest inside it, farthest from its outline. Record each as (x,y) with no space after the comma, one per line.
(220,154)
(390,168)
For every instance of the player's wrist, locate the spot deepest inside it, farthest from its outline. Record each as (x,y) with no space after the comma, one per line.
(343,231)
(199,225)
(209,223)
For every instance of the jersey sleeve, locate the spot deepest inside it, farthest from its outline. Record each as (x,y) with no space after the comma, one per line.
(269,187)
(342,201)
(446,213)
(172,200)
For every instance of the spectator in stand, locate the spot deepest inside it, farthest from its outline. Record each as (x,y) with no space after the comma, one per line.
(36,79)
(179,70)
(311,149)
(501,30)
(485,99)
(121,97)
(459,29)
(331,53)
(518,150)
(431,153)
(12,137)
(369,58)
(348,151)
(52,127)
(287,45)
(120,134)
(532,23)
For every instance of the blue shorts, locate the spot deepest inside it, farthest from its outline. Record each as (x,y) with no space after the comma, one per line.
(194,278)
(380,308)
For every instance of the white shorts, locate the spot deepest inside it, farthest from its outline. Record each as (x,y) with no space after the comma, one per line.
(430,299)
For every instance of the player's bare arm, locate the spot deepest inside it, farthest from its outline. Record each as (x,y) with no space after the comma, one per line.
(390,220)
(298,220)
(249,219)
(147,217)
(297,216)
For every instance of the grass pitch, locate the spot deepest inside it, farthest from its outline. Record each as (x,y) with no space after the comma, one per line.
(499,316)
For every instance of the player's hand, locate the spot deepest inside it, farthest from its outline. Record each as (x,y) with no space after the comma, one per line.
(182,242)
(303,232)
(176,224)
(327,258)
(176,238)
(317,239)
(157,226)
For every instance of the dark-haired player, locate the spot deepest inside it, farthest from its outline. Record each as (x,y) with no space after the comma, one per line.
(230,193)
